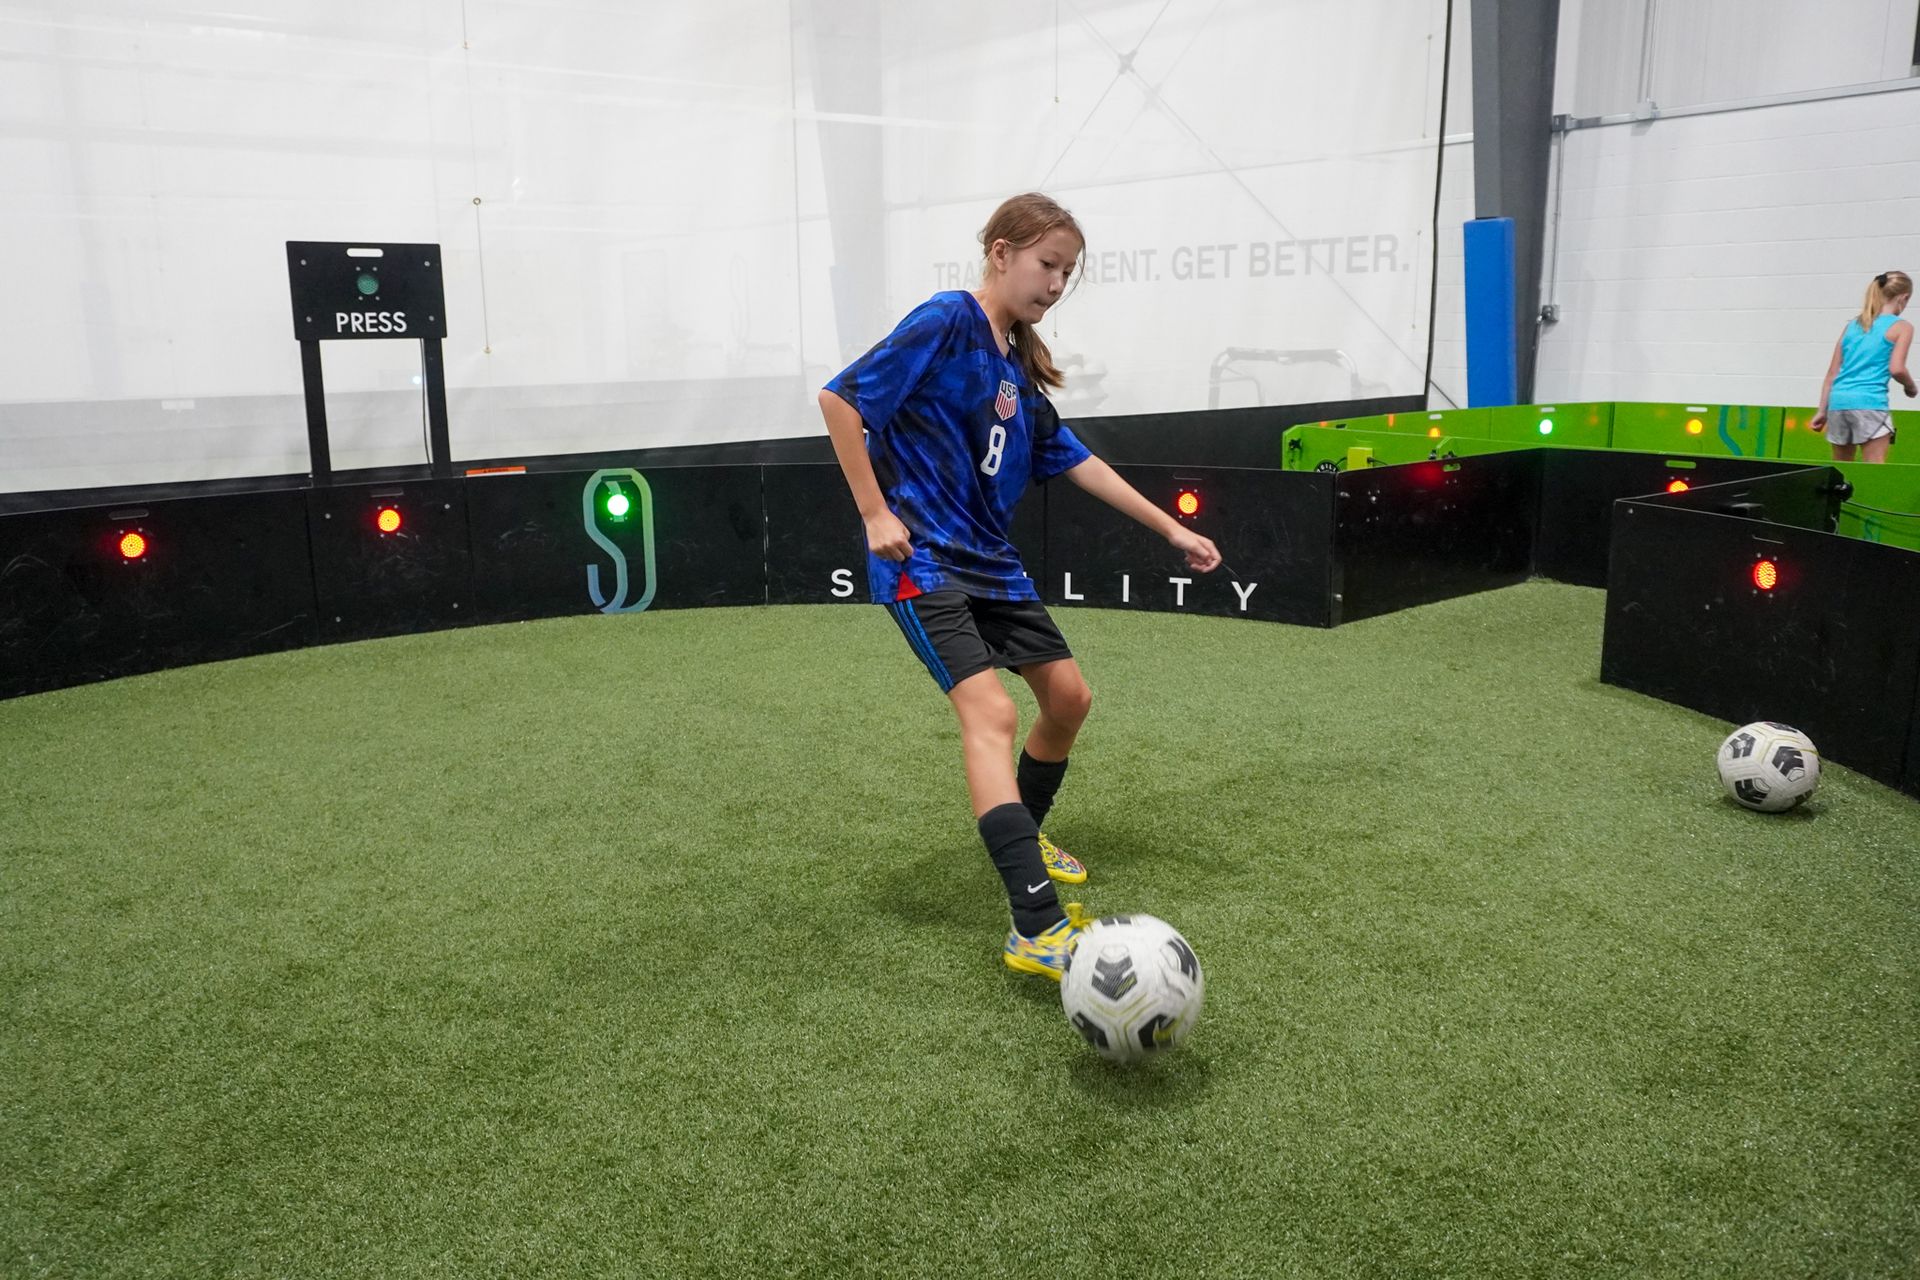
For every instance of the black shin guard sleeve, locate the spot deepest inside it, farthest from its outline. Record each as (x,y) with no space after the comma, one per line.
(1039,782)
(1012,838)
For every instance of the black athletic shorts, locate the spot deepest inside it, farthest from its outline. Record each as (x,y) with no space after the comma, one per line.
(958,635)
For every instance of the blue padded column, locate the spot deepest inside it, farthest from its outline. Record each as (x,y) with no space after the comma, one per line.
(1492,377)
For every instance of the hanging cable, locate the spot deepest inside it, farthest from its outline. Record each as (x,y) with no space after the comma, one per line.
(1439,172)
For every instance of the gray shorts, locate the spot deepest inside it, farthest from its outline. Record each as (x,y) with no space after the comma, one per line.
(1857,426)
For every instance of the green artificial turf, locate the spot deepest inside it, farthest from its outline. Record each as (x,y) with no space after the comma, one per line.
(664,945)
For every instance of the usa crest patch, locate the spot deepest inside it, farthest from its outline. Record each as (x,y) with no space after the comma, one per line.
(1007,401)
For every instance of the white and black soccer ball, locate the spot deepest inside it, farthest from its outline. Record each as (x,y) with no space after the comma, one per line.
(1133,987)
(1768,766)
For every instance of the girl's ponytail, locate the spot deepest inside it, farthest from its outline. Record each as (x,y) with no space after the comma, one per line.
(1881,290)
(1035,358)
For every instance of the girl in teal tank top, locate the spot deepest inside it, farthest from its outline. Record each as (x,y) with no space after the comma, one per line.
(1873,348)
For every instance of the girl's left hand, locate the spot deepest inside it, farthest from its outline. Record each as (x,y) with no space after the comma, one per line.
(1201,554)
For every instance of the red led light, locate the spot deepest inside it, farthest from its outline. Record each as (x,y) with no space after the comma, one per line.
(388,520)
(132,546)
(1678,486)
(1188,503)
(1766,575)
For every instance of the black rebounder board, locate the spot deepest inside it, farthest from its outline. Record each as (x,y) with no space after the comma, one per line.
(343,290)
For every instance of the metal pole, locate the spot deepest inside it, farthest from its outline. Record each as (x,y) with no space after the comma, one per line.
(316,395)
(438,448)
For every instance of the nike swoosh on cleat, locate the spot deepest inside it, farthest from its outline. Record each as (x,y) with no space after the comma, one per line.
(1035,888)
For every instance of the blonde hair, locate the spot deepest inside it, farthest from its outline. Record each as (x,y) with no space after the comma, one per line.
(1881,290)
(1022,220)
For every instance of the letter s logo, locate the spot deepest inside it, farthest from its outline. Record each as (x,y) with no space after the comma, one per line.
(589,503)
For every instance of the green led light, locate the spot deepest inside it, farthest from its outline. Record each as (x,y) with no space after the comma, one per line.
(367,283)
(617,506)
(1546,426)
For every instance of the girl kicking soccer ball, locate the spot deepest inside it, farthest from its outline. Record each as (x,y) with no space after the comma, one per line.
(1872,348)
(958,424)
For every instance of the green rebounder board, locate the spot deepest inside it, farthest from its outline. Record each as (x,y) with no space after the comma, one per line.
(1885,506)
(1436,423)
(1800,441)
(1310,448)
(1575,426)
(1736,431)
(1727,430)
(1432,423)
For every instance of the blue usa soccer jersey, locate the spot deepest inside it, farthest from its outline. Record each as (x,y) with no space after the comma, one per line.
(956,434)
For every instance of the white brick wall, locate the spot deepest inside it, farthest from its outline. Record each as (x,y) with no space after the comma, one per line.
(1716,257)
(1701,51)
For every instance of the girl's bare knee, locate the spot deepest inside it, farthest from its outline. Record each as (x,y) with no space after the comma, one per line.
(1069,706)
(987,712)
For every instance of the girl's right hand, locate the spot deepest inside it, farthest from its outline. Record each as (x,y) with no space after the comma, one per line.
(888,538)
(1818,421)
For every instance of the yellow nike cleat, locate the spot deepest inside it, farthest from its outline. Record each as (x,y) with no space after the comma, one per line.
(1061,865)
(1047,953)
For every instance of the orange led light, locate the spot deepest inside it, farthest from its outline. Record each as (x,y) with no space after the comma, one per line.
(1766,575)
(132,546)
(1433,433)
(388,520)
(1678,486)
(1188,503)
(1695,426)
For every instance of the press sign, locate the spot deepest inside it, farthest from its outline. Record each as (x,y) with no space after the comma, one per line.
(347,290)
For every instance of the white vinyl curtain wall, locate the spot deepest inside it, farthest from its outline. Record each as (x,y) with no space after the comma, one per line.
(669,224)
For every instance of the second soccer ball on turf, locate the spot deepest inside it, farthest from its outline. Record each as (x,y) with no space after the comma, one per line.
(1768,766)
(1133,987)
